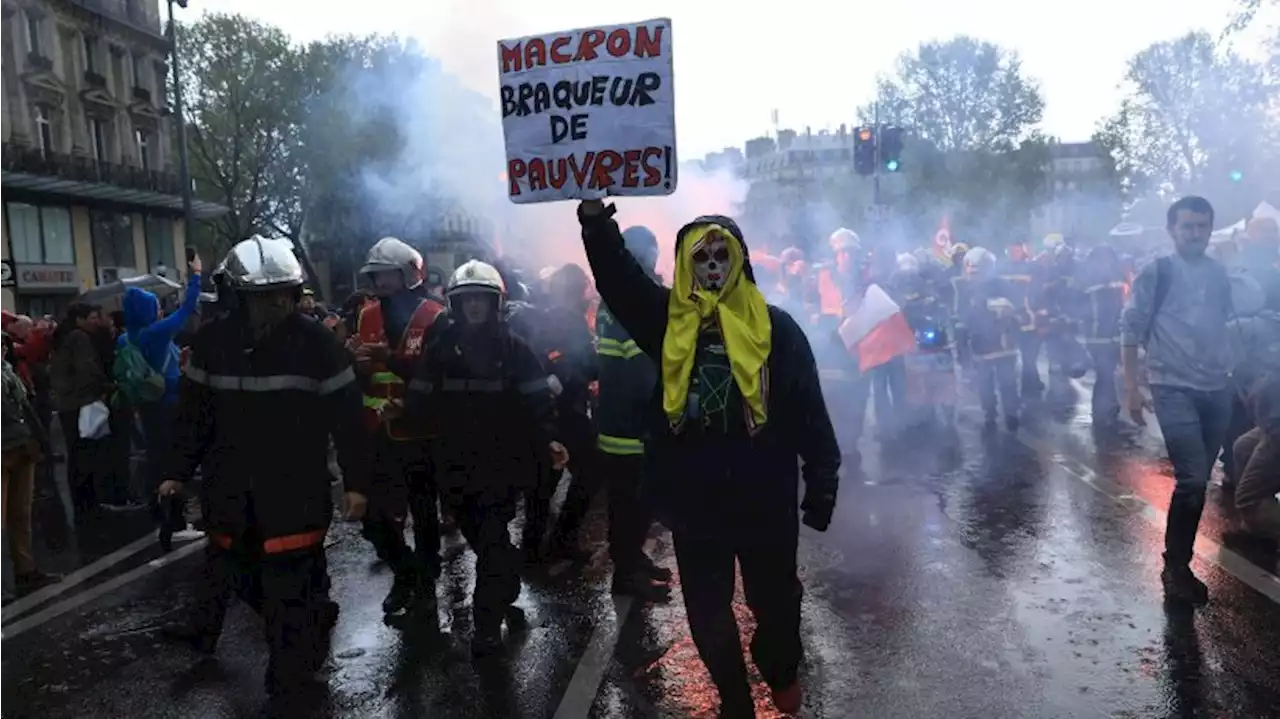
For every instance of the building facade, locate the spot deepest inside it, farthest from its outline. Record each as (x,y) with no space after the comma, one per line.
(1083,203)
(89,185)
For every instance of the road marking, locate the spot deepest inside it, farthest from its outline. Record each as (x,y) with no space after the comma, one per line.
(92,593)
(36,598)
(586,680)
(1210,551)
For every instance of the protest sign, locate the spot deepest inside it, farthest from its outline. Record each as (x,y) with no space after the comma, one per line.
(589,113)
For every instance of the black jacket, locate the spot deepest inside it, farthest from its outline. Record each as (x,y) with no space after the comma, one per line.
(257,418)
(745,485)
(492,399)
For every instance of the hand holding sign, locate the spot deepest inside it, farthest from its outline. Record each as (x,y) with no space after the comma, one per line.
(589,113)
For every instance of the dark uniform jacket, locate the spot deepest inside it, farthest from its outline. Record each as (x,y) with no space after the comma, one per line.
(257,417)
(492,399)
(627,377)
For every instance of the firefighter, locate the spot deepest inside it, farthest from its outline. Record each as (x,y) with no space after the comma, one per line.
(627,379)
(265,390)
(1022,281)
(1101,283)
(492,398)
(387,343)
(992,322)
(739,404)
(566,341)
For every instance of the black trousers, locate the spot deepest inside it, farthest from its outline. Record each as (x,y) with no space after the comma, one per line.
(404,483)
(998,375)
(290,591)
(580,439)
(1029,344)
(629,514)
(773,593)
(483,520)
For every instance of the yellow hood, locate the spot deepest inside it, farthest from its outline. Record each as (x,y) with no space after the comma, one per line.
(743,318)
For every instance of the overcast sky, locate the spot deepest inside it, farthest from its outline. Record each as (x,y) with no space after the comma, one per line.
(813,60)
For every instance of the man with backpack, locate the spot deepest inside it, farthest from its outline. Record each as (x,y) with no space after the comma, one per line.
(147,367)
(1179,311)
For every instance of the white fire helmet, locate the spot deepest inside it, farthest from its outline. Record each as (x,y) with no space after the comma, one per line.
(259,264)
(844,239)
(476,276)
(391,253)
(977,259)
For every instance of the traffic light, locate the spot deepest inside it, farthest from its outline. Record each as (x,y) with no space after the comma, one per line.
(1236,176)
(864,151)
(891,148)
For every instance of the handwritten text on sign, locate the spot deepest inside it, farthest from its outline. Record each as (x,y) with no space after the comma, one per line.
(588,113)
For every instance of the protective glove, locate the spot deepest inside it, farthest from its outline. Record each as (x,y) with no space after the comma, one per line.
(817,508)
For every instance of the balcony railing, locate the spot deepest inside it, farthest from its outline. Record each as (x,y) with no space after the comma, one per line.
(95,79)
(141,94)
(36,61)
(33,161)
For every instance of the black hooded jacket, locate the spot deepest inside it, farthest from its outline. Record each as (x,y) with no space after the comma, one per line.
(745,485)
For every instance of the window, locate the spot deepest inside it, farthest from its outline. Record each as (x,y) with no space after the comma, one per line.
(144,149)
(33,34)
(44,129)
(98,132)
(40,235)
(112,234)
(90,53)
(160,244)
(139,71)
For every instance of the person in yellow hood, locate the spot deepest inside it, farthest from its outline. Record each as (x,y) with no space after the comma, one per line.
(737,407)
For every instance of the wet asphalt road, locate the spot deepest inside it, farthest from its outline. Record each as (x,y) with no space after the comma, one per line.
(1001,578)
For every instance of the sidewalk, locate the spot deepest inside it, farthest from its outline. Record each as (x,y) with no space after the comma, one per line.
(63,542)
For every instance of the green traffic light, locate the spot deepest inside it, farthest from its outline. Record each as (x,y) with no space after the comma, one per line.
(1236,175)
(891,166)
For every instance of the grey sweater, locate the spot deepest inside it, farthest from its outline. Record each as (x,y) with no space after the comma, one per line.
(1188,341)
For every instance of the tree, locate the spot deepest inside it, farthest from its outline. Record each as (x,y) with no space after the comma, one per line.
(1195,120)
(242,80)
(962,94)
(1246,11)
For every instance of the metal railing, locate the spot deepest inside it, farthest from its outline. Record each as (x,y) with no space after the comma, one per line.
(34,161)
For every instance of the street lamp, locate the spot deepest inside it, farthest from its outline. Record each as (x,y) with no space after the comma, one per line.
(184,171)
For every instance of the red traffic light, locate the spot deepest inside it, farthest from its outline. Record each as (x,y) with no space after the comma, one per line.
(864,134)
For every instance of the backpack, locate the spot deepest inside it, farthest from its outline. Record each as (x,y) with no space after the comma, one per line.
(1164,278)
(134,376)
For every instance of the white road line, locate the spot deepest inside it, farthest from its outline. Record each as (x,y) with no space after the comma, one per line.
(586,680)
(92,593)
(1210,551)
(89,571)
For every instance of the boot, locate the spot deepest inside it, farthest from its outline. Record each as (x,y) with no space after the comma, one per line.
(788,700)
(640,585)
(487,641)
(403,592)
(1181,585)
(657,573)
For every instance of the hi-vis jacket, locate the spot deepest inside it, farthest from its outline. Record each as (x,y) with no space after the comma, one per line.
(383,384)
(627,377)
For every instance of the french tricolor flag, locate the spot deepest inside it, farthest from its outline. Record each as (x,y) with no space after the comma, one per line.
(877,330)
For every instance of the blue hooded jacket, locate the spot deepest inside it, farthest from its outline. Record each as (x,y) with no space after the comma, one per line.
(155,336)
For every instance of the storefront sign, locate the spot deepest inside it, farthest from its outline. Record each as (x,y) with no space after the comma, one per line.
(33,278)
(6,273)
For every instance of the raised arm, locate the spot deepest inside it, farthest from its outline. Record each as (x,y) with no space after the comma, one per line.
(636,300)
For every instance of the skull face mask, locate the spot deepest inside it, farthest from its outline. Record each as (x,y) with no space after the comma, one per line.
(711,262)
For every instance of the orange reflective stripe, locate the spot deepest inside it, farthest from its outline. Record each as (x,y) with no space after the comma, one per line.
(290,542)
(276,545)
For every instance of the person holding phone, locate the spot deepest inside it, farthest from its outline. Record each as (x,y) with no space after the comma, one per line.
(152,333)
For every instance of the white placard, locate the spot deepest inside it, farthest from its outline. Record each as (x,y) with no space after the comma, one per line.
(589,113)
